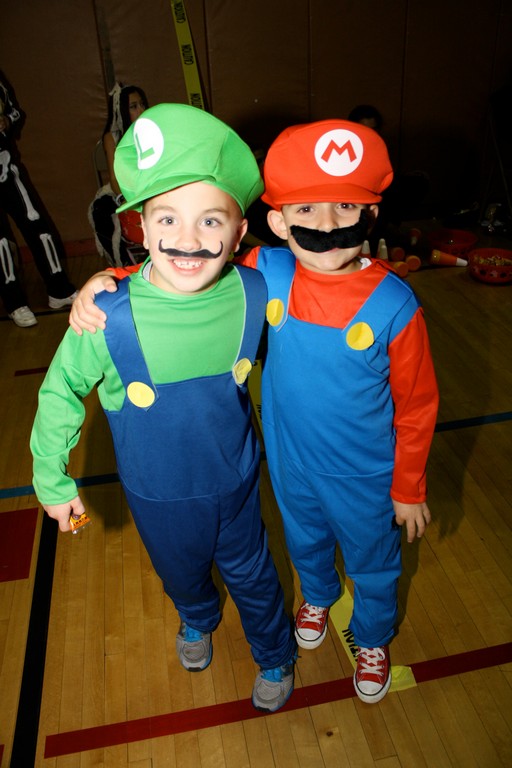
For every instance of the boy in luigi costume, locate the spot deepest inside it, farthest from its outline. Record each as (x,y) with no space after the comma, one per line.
(171,372)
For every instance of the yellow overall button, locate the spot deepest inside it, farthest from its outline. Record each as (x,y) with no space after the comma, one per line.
(140,394)
(241,370)
(360,336)
(275,311)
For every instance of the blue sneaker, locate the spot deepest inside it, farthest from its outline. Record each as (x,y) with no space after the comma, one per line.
(273,687)
(194,648)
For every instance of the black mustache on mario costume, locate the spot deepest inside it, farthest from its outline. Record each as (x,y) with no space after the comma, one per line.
(204,253)
(316,241)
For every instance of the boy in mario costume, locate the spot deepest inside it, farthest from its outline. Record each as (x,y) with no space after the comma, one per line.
(349,395)
(171,370)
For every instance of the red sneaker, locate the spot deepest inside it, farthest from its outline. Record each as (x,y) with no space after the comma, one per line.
(372,677)
(310,625)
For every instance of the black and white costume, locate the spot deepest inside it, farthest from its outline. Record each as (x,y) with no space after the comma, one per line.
(19,200)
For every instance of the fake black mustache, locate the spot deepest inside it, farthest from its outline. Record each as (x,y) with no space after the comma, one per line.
(345,237)
(204,253)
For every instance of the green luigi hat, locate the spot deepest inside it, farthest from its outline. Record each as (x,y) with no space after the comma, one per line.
(171,145)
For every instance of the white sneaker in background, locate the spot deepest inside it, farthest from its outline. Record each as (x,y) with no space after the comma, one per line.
(23,317)
(60,303)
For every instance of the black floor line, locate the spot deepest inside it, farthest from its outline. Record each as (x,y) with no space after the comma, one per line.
(476,421)
(29,707)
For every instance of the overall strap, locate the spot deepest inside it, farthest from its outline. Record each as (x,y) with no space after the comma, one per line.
(255,290)
(278,268)
(387,300)
(122,340)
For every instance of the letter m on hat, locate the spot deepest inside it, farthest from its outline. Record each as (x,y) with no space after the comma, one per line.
(333,147)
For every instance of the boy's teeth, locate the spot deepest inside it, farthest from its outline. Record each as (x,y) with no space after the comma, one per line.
(187,264)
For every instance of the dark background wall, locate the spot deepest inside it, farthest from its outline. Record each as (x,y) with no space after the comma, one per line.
(430,68)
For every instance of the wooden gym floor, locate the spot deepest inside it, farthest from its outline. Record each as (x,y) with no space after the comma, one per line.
(88,671)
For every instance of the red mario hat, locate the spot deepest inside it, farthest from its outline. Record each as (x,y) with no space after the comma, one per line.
(327,161)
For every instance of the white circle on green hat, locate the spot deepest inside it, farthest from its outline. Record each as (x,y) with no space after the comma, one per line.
(339,152)
(149,143)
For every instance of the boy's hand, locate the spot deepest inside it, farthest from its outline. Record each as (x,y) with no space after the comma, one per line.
(85,315)
(62,512)
(415,516)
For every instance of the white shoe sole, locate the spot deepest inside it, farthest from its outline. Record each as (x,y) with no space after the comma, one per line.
(376,697)
(310,644)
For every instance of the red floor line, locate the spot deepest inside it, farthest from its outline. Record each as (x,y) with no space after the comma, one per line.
(235,711)
(462,662)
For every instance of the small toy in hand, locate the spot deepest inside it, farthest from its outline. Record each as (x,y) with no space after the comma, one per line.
(77,522)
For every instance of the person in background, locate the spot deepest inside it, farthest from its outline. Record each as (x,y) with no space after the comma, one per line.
(366,114)
(19,200)
(126,104)
(402,200)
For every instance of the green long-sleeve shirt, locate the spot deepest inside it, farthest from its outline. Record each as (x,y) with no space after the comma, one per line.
(182,337)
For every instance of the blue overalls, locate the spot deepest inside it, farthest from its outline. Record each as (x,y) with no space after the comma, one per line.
(327,416)
(188,461)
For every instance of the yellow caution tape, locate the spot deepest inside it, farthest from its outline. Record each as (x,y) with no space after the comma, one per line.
(188,55)
(340,615)
(402,678)
(254,387)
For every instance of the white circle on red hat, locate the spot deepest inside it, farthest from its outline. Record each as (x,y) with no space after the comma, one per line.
(339,152)
(149,142)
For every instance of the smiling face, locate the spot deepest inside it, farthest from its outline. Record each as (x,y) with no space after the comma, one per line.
(190,233)
(321,218)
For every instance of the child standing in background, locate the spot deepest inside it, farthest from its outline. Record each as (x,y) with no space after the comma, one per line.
(19,200)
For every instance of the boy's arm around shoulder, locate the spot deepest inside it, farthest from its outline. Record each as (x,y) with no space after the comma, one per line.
(249,258)
(74,371)
(84,314)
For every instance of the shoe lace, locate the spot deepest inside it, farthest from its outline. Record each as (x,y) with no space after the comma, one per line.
(313,614)
(372,660)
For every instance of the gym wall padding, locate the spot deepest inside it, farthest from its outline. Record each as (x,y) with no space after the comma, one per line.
(429,68)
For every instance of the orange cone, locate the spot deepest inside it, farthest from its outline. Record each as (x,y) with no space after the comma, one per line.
(447,259)
(400,267)
(397,254)
(413,262)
